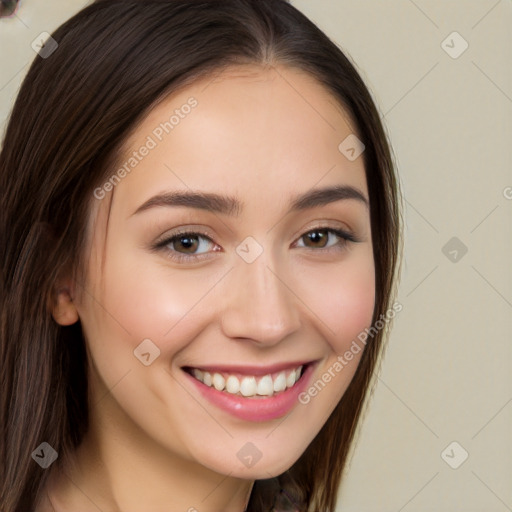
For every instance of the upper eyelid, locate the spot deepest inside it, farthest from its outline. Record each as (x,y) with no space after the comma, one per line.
(333,224)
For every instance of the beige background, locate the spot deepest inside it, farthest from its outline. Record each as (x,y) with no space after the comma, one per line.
(446,373)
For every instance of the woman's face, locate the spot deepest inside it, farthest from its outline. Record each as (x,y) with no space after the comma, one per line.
(270,283)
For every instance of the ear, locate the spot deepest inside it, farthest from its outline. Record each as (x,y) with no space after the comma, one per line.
(63,309)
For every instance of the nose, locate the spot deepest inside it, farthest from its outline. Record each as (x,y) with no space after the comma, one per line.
(259,304)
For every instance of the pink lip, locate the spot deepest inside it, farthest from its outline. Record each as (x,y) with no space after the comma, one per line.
(256,409)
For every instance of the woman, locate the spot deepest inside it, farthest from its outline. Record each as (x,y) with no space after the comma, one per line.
(172,338)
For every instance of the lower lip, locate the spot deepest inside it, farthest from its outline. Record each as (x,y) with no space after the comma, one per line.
(256,409)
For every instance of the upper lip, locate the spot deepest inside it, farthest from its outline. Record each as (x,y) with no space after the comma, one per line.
(251,369)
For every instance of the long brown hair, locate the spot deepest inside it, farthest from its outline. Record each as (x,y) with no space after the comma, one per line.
(114,61)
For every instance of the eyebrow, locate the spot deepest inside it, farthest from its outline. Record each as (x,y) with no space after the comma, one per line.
(231,206)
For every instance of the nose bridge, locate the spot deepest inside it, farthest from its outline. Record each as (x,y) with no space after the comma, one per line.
(258,305)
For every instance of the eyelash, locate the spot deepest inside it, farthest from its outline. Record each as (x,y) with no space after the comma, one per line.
(345,236)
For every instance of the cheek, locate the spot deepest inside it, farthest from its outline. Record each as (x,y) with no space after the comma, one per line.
(151,301)
(343,299)
(351,312)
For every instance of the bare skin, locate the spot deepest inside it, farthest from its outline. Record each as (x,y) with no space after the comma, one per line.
(263,136)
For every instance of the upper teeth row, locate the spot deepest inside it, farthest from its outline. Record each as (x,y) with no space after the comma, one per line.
(249,386)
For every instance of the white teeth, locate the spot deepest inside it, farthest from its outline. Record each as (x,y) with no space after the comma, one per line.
(207,378)
(232,385)
(290,381)
(249,386)
(280,382)
(219,381)
(266,386)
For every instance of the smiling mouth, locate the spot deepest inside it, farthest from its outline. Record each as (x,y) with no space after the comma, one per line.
(249,386)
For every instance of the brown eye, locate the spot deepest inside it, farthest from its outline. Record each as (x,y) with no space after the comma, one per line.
(186,246)
(317,238)
(189,243)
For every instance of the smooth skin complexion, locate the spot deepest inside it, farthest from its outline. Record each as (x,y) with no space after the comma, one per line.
(264,136)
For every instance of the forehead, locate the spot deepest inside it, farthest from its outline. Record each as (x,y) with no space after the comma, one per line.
(247,129)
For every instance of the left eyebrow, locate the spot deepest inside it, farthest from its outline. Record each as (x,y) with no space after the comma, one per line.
(231,206)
